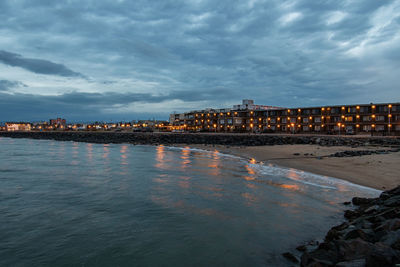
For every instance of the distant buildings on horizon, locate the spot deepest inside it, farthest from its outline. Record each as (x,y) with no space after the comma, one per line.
(60,124)
(378,119)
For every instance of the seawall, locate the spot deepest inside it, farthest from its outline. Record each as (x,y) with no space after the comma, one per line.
(205,138)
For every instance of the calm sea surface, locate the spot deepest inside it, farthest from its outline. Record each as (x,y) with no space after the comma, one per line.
(80,204)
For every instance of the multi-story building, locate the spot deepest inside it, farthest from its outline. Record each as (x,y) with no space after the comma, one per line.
(18,126)
(59,122)
(236,119)
(383,119)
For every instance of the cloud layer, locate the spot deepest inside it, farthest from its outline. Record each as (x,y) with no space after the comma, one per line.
(127,58)
(39,66)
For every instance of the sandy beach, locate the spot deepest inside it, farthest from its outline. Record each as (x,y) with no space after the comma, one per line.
(380,171)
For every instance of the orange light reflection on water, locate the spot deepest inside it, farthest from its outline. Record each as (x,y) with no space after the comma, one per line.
(251,172)
(106,151)
(215,163)
(290,187)
(75,153)
(160,158)
(185,157)
(89,151)
(124,155)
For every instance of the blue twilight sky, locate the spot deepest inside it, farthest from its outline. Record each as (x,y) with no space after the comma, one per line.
(123,60)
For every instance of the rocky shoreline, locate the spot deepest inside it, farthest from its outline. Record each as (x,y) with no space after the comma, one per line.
(369,237)
(209,139)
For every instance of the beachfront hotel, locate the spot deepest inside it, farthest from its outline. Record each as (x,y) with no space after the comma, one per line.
(372,119)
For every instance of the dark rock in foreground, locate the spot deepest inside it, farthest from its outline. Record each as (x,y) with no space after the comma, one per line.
(370,237)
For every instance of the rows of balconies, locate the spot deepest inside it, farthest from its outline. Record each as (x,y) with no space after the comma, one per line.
(384,117)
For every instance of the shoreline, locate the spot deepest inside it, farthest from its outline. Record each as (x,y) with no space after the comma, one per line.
(374,167)
(360,170)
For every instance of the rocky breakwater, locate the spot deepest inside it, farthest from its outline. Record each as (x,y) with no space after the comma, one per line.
(369,237)
(204,138)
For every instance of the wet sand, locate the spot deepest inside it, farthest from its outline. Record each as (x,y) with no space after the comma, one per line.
(380,171)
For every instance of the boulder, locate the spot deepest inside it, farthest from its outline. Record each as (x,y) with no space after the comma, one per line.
(361,201)
(353,249)
(382,255)
(353,263)
(290,257)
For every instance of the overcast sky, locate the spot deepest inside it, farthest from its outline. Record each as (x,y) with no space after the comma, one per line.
(124,60)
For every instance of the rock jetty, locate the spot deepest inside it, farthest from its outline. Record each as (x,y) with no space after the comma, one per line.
(204,138)
(369,237)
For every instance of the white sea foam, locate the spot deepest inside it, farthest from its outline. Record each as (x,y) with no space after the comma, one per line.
(310,178)
(215,152)
(271,171)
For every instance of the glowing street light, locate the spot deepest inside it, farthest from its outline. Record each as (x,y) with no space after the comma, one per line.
(389,117)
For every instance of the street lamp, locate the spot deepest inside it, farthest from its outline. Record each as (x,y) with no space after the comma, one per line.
(389,117)
(339,124)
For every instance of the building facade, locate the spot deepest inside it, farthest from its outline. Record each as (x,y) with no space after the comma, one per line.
(58,122)
(378,119)
(17,126)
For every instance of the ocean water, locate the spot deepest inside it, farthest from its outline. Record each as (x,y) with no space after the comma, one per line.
(81,204)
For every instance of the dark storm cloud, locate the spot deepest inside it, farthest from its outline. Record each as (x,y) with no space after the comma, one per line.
(87,106)
(6,85)
(285,53)
(39,66)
